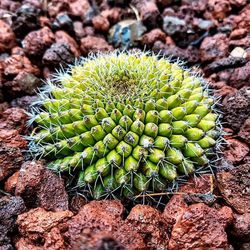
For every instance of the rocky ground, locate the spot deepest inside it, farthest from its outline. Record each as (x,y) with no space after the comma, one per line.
(210,212)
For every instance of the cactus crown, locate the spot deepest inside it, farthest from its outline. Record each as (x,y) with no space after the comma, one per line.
(125,123)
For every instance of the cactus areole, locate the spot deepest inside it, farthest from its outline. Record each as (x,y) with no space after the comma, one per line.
(125,124)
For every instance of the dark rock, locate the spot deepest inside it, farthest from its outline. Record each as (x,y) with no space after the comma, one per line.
(76,203)
(149,12)
(245,131)
(64,22)
(58,53)
(148,222)
(236,108)
(40,187)
(200,227)
(224,63)
(24,102)
(10,207)
(7,37)
(234,187)
(36,42)
(191,54)
(94,44)
(214,47)
(241,227)
(25,20)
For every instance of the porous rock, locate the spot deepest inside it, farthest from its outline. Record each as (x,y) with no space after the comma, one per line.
(7,37)
(236,108)
(241,226)
(245,131)
(10,207)
(40,187)
(10,184)
(94,44)
(103,217)
(149,223)
(234,187)
(201,227)
(152,36)
(36,42)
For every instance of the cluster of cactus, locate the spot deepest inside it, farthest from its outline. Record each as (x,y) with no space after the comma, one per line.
(125,123)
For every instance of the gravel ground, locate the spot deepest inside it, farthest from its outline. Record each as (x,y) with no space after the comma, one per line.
(209,212)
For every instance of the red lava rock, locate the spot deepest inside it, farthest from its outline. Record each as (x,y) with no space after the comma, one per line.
(152,36)
(36,42)
(214,47)
(94,44)
(217,9)
(10,184)
(103,217)
(241,227)
(236,108)
(222,89)
(55,7)
(234,187)
(7,37)
(149,12)
(238,33)
(245,131)
(39,226)
(58,53)
(113,15)
(78,29)
(63,37)
(236,150)
(11,138)
(17,63)
(10,207)
(148,222)
(190,54)
(13,118)
(40,187)
(201,227)
(9,5)
(101,23)
(79,7)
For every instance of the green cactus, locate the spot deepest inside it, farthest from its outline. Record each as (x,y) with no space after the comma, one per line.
(125,123)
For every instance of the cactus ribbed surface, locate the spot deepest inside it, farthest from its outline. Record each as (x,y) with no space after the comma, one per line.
(125,123)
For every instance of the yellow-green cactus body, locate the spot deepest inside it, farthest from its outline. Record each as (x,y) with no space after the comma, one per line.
(126,121)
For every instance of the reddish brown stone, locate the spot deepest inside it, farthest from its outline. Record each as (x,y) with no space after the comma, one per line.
(10,184)
(217,9)
(234,187)
(40,187)
(201,227)
(63,37)
(36,42)
(113,15)
(79,7)
(245,131)
(7,37)
(12,139)
(148,222)
(101,23)
(236,150)
(241,227)
(238,33)
(76,203)
(103,217)
(214,47)
(37,223)
(94,44)
(17,63)
(152,36)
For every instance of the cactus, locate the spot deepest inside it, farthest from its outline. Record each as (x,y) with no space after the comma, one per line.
(125,123)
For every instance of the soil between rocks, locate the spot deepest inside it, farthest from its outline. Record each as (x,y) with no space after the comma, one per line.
(209,212)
